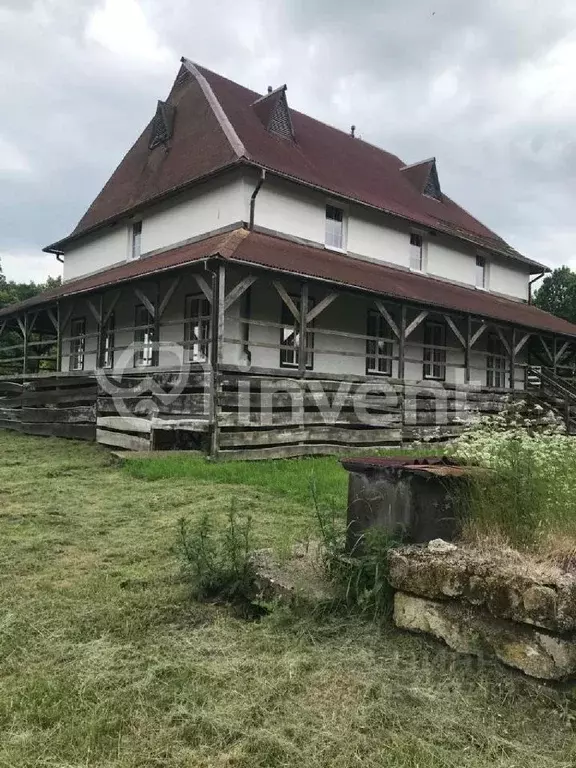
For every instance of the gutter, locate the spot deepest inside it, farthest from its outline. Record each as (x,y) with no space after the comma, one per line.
(257,189)
(534,280)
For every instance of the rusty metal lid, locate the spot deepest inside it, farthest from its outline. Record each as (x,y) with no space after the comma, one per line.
(365,463)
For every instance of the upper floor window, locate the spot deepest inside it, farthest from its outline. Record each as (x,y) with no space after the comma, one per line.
(480,272)
(143,338)
(334,227)
(77,343)
(379,346)
(136,240)
(197,328)
(290,338)
(416,252)
(434,351)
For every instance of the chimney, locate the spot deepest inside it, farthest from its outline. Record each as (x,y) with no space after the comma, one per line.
(353,131)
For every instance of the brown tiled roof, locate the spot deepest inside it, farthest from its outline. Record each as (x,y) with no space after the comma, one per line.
(283,255)
(210,109)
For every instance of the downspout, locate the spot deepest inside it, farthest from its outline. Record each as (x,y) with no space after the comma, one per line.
(257,189)
(534,280)
(59,257)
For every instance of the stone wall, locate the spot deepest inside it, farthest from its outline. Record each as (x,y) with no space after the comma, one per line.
(488,604)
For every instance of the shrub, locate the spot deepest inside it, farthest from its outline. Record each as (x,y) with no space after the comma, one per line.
(220,561)
(529,486)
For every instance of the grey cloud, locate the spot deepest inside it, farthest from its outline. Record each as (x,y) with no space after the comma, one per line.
(430,77)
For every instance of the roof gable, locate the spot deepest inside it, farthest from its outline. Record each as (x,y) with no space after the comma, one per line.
(274,113)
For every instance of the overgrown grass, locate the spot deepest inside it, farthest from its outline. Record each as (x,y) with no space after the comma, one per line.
(106,662)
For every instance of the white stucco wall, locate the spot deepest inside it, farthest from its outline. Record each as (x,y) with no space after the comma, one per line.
(209,207)
(509,280)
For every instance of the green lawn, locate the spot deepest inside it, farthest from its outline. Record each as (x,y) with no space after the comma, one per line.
(105,660)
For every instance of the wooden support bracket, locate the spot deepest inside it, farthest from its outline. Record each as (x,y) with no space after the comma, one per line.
(286,299)
(146,301)
(321,306)
(522,343)
(454,328)
(167,296)
(415,323)
(239,290)
(478,334)
(204,287)
(388,317)
(112,307)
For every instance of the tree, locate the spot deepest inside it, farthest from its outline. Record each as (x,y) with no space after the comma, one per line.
(557,294)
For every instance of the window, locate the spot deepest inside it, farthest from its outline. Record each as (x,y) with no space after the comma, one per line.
(416,252)
(290,338)
(108,342)
(143,337)
(136,242)
(434,351)
(380,348)
(495,363)
(77,344)
(480,272)
(334,227)
(197,328)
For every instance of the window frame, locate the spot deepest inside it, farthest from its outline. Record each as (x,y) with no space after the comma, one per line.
(343,247)
(496,353)
(135,244)
(423,252)
(435,351)
(376,339)
(77,345)
(141,359)
(484,287)
(295,349)
(108,342)
(204,321)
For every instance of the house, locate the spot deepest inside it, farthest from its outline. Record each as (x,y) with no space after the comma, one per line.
(249,263)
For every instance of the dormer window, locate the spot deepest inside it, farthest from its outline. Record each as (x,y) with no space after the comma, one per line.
(274,113)
(136,241)
(480,272)
(162,125)
(334,227)
(416,252)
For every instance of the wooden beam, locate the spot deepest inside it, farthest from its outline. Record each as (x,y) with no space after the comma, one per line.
(53,318)
(455,330)
(2,327)
(503,339)
(167,296)
(478,334)
(93,310)
(546,349)
(286,299)
(468,349)
(25,345)
(100,334)
(204,287)
(388,317)
(21,324)
(33,323)
(521,344)
(512,354)
(67,317)
(321,306)
(146,301)
(415,323)
(303,325)
(562,350)
(112,307)
(239,290)
(216,356)
(402,343)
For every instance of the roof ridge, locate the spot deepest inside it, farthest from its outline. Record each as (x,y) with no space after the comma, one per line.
(219,113)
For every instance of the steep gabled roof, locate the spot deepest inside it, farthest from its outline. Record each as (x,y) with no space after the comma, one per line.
(257,249)
(218,123)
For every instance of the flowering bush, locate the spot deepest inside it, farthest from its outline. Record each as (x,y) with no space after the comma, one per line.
(529,488)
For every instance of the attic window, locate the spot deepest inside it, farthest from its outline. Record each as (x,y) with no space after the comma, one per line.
(432,188)
(274,113)
(162,125)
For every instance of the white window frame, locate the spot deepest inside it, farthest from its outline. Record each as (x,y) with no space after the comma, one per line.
(135,241)
(422,265)
(380,346)
(496,363)
(434,351)
(77,343)
(144,338)
(343,247)
(484,285)
(197,325)
(108,342)
(290,337)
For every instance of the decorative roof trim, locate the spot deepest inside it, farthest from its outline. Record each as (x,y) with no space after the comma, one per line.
(221,116)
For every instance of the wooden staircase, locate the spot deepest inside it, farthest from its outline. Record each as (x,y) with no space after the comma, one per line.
(552,391)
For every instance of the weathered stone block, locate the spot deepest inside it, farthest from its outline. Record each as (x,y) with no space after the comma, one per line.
(506,588)
(469,630)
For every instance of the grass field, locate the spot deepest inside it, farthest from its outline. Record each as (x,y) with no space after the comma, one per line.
(105,660)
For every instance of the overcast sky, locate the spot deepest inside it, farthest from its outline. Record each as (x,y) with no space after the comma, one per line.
(487,87)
